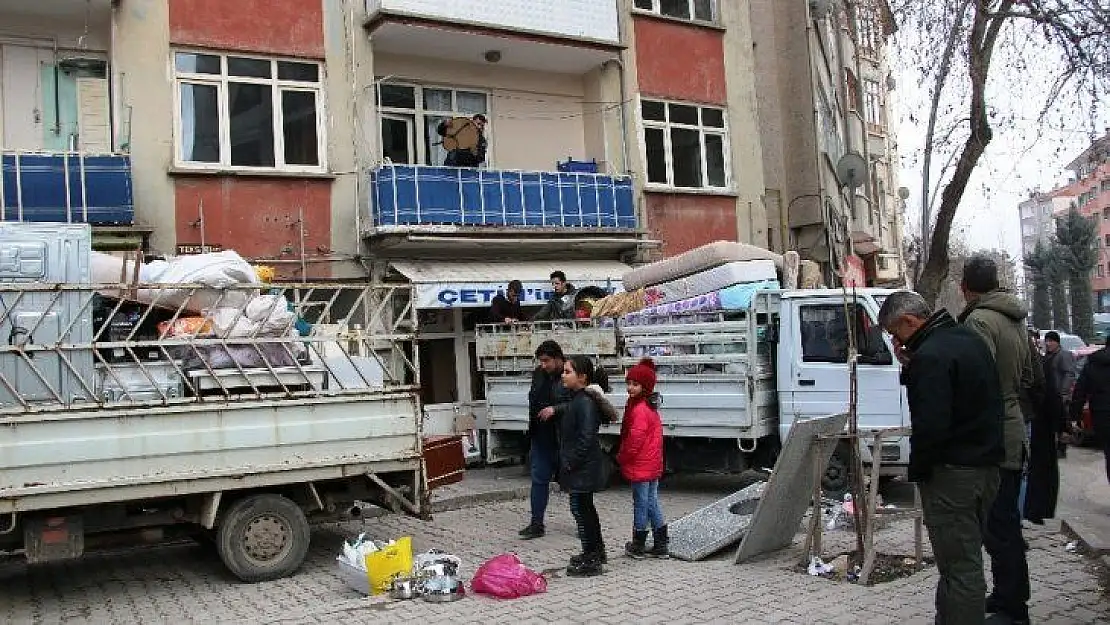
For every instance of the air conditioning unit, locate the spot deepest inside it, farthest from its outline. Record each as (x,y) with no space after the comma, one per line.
(887,267)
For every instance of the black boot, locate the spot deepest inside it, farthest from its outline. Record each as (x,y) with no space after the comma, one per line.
(659,543)
(588,566)
(600,553)
(637,549)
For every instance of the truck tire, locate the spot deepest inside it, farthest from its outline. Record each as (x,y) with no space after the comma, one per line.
(263,537)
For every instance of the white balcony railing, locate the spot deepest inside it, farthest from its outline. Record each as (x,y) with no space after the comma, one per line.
(591,20)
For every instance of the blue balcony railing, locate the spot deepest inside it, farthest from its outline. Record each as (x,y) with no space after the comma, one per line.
(404,196)
(67,187)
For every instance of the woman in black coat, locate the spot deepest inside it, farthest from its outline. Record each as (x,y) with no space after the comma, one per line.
(1043,486)
(582,470)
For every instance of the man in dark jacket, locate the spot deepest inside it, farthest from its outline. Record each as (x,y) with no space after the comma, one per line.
(543,455)
(473,157)
(956,443)
(505,308)
(998,318)
(1094,387)
(561,304)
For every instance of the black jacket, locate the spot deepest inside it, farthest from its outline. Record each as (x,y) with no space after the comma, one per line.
(559,306)
(547,390)
(1094,387)
(956,409)
(501,308)
(582,464)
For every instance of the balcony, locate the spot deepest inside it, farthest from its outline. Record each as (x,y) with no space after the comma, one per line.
(68,187)
(448,209)
(569,36)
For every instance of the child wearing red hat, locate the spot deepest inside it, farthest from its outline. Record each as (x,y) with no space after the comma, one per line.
(641,461)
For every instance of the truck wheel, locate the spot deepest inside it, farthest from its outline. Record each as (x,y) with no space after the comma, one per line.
(835,481)
(263,537)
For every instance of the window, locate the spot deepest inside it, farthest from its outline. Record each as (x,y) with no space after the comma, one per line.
(687,145)
(873,109)
(696,10)
(1026,211)
(1106,214)
(870,27)
(824,336)
(831,140)
(410,115)
(1107,240)
(1101,271)
(851,85)
(248,112)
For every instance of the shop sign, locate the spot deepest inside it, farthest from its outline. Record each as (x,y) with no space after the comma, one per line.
(481,294)
(185,250)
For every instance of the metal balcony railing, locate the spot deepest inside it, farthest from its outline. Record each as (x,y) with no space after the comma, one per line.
(67,187)
(407,196)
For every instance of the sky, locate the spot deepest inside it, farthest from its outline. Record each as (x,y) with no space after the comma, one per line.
(1024,155)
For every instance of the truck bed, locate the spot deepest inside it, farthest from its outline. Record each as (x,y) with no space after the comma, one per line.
(75,458)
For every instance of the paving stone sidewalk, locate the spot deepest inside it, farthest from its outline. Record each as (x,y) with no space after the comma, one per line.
(186,584)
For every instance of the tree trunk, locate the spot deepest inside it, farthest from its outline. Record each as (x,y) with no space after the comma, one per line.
(1082,307)
(981,41)
(1042,304)
(1060,319)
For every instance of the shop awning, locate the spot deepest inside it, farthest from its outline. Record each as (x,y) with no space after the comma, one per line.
(442,284)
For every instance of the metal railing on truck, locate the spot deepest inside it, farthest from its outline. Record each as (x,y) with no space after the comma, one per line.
(111,346)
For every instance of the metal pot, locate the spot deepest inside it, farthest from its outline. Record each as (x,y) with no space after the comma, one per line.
(443,589)
(403,588)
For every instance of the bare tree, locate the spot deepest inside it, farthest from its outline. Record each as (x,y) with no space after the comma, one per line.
(1068,40)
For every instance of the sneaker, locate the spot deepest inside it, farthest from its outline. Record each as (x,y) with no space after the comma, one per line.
(532,531)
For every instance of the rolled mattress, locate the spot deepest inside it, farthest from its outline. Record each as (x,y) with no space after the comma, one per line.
(698,259)
(715,279)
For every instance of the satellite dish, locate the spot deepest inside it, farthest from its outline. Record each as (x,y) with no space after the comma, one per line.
(851,170)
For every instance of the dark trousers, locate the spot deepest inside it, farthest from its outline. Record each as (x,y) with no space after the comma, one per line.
(1003,540)
(955,503)
(544,460)
(1102,431)
(589,525)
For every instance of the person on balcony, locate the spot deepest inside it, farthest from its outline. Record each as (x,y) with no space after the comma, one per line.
(505,307)
(465,140)
(561,304)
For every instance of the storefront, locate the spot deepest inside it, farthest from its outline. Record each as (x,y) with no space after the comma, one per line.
(454,297)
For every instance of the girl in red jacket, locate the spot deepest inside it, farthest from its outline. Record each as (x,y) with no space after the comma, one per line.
(641,461)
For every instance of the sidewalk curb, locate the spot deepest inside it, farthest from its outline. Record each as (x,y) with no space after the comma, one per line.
(460,502)
(1093,542)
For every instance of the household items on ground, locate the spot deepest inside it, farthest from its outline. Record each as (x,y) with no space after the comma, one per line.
(389,568)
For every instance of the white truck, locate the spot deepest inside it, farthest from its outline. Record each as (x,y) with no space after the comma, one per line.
(732,382)
(238,438)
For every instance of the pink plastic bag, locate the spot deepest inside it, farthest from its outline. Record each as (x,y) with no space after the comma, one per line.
(505,577)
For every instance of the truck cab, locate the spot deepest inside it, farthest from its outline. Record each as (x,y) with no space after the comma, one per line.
(812,368)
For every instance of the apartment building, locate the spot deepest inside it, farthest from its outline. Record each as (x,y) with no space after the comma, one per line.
(1089,191)
(1037,216)
(838,52)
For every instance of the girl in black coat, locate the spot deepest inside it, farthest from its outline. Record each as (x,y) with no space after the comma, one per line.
(582,469)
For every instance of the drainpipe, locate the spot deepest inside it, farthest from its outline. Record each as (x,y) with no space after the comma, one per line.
(817,131)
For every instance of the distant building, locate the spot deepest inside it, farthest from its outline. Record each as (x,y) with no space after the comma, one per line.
(1090,190)
(1037,217)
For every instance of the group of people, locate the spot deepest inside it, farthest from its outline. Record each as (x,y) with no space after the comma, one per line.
(567,407)
(506,307)
(987,413)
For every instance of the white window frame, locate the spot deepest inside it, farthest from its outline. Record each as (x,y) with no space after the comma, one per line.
(874,105)
(277,86)
(715,7)
(421,114)
(668,150)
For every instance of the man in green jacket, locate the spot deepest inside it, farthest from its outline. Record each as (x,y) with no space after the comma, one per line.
(999,318)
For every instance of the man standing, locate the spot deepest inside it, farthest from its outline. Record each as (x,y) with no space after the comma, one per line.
(505,308)
(470,156)
(561,304)
(546,393)
(1094,387)
(998,318)
(956,443)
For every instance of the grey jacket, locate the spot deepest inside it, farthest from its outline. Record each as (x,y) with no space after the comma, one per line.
(999,318)
(1062,364)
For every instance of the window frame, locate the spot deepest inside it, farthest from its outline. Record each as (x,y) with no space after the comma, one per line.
(874,105)
(702,129)
(656,9)
(420,115)
(278,87)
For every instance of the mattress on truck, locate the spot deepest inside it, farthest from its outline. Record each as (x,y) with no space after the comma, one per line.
(699,259)
(715,279)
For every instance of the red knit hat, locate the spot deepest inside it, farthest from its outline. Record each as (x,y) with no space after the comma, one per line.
(643,374)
